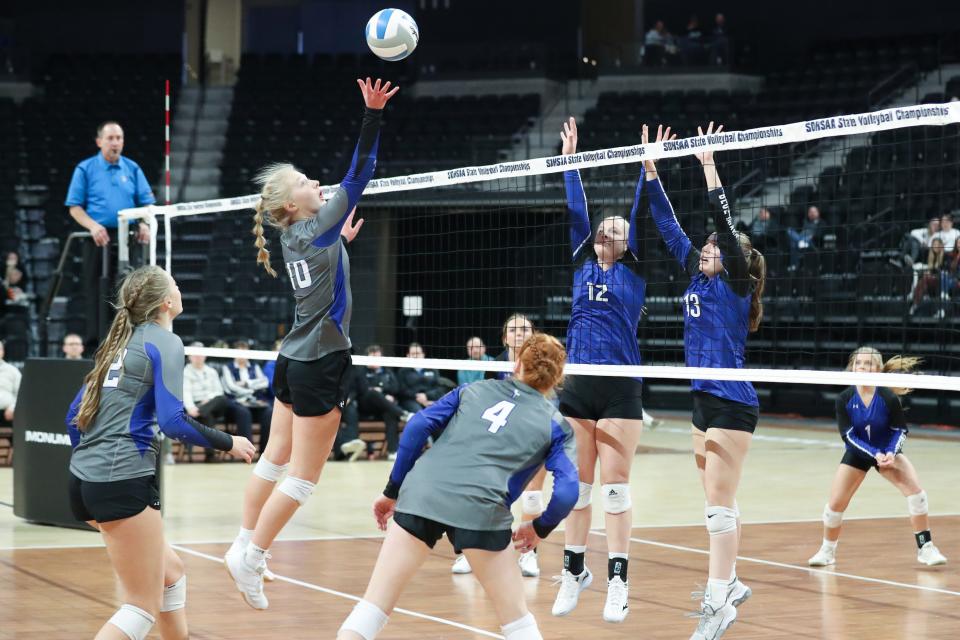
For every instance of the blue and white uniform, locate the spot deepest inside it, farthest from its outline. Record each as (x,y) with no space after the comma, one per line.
(869,429)
(716,314)
(606,310)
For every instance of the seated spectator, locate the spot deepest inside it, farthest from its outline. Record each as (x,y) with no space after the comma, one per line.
(9,388)
(15,279)
(375,392)
(940,276)
(805,239)
(205,401)
(658,44)
(947,234)
(476,350)
(763,231)
(720,44)
(72,347)
(918,240)
(419,388)
(691,44)
(245,382)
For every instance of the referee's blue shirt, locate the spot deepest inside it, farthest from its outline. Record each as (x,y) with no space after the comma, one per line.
(103,189)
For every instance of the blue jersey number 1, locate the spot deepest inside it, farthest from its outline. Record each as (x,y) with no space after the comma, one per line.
(497,415)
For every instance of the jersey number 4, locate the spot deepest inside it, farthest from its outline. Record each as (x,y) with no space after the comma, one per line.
(693,305)
(112,379)
(497,415)
(299,274)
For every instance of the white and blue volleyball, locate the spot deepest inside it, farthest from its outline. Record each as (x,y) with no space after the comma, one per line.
(392,34)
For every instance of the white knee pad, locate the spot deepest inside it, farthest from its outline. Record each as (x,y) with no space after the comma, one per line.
(133,621)
(832,519)
(616,498)
(297,488)
(524,628)
(917,504)
(269,471)
(583,499)
(532,502)
(366,619)
(720,520)
(175,596)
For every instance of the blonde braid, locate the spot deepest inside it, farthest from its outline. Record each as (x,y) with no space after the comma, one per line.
(263,255)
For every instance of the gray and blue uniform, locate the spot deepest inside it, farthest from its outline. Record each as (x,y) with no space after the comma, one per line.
(318,265)
(142,393)
(496,435)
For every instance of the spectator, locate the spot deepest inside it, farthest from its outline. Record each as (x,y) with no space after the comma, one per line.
(939,277)
(658,44)
(9,387)
(763,231)
(918,240)
(101,186)
(691,45)
(72,347)
(720,46)
(419,388)
(247,385)
(476,350)
(205,401)
(807,238)
(376,390)
(947,234)
(14,279)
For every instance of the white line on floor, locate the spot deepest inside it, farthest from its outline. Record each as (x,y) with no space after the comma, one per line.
(784,565)
(347,596)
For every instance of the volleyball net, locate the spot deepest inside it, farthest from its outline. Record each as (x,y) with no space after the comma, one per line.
(447,256)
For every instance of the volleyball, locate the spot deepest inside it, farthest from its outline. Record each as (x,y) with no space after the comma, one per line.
(392,34)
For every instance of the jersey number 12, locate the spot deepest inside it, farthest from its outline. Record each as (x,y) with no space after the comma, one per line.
(497,415)
(597,292)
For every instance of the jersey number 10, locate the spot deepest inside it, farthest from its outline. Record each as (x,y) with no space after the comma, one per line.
(299,274)
(497,415)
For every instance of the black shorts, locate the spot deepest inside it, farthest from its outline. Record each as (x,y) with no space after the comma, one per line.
(314,387)
(599,397)
(860,460)
(116,500)
(711,411)
(429,531)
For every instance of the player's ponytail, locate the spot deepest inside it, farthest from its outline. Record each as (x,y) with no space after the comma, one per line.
(895,364)
(275,182)
(141,296)
(757,268)
(542,357)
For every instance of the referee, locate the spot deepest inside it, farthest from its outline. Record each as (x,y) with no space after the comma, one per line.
(101,186)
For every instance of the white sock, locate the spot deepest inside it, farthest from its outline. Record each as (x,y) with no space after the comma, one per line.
(574,548)
(524,628)
(254,555)
(827,544)
(244,537)
(716,593)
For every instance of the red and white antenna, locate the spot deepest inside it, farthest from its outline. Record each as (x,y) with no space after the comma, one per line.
(166,142)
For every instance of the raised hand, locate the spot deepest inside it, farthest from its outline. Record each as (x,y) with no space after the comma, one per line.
(350,230)
(662,134)
(374,95)
(707,156)
(569,137)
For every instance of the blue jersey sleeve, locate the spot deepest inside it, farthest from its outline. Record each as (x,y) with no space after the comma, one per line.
(562,463)
(426,423)
(633,242)
(666,220)
(577,208)
(897,437)
(323,229)
(166,360)
(860,445)
(77,193)
(72,430)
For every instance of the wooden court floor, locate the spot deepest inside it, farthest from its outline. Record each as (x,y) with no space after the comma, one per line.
(57,583)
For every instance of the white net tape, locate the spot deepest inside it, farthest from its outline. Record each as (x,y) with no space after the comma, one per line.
(855,124)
